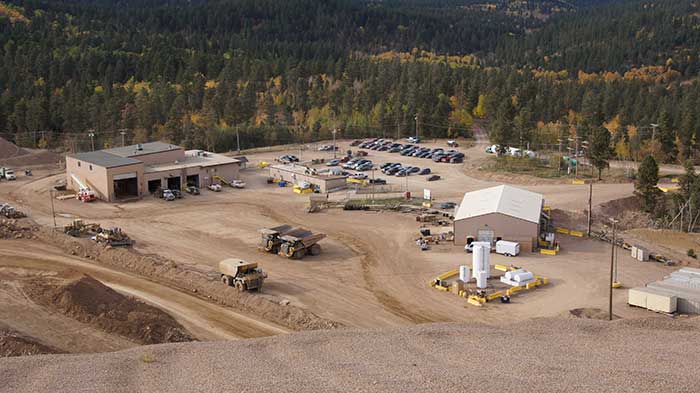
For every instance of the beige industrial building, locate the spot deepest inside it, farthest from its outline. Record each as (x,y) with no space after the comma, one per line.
(132,171)
(499,213)
(297,174)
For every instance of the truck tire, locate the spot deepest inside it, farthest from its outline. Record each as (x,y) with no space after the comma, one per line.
(240,286)
(226,280)
(315,249)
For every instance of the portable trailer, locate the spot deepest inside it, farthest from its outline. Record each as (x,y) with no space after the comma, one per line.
(296,247)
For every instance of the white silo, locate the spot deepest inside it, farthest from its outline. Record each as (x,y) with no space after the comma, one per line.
(464,273)
(477,260)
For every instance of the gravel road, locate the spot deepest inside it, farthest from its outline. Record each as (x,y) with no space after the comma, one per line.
(544,355)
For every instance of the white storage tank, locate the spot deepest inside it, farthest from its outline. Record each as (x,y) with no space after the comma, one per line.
(464,273)
(481,280)
(523,276)
(478,260)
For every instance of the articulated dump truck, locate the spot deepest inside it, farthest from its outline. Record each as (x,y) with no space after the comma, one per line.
(245,276)
(290,242)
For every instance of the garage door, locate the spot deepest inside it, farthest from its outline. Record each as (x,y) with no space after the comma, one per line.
(124,176)
(485,235)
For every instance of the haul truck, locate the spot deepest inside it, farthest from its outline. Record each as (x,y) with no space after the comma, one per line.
(245,276)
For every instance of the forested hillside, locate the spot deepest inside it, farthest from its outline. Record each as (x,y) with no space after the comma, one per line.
(197,72)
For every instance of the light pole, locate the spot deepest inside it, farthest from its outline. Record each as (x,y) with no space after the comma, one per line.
(123,134)
(653,130)
(612,272)
(335,130)
(416,118)
(238,141)
(91,134)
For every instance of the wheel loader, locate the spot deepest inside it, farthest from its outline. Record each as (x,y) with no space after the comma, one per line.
(245,276)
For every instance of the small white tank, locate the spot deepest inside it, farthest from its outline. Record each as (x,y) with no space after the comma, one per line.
(464,273)
(481,280)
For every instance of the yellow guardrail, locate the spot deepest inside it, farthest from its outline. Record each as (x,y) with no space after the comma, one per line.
(446,275)
(494,295)
(476,301)
(562,230)
(502,268)
(578,182)
(576,233)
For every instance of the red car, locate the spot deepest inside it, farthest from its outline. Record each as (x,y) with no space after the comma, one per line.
(361,153)
(355,142)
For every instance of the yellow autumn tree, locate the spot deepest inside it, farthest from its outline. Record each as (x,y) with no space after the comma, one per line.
(480,109)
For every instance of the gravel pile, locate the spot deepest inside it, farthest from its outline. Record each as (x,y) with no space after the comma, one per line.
(544,355)
(14,229)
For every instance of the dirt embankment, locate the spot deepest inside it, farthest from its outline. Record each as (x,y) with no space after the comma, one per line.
(627,211)
(15,156)
(203,284)
(14,343)
(87,300)
(17,229)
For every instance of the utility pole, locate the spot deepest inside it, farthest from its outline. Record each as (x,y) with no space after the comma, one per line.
(53,211)
(238,141)
(590,206)
(91,134)
(612,272)
(398,129)
(653,130)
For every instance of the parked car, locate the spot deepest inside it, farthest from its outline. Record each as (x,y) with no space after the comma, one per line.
(333,163)
(448,205)
(359,176)
(367,166)
(177,193)
(452,143)
(286,159)
(214,187)
(414,169)
(434,178)
(413,139)
(386,165)
(424,171)
(361,153)
(192,190)
(168,195)
(401,173)
(377,181)
(356,142)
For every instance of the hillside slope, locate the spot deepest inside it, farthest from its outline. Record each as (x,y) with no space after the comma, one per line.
(545,355)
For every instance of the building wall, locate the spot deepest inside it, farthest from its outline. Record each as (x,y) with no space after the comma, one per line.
(206,175)
(163,157)
(503,226)
(325,184)
(111,172)
(92,175)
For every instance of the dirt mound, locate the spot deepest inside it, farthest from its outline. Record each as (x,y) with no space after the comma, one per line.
(17,229)
(87,300)
(13,343)
(203,284)
(9,149)
(628,212)
(32,158)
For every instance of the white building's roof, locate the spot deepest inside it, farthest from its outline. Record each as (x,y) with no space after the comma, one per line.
(511,201)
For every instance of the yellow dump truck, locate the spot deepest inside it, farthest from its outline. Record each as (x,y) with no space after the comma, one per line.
(245,276)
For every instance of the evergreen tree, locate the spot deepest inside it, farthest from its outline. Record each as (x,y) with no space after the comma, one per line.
(646,185)
(600,150)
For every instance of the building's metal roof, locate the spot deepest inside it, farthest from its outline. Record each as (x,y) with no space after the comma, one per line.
(511,201)
(104,159)
(142,149)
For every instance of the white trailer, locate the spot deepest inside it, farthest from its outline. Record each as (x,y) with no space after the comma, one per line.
(509,249)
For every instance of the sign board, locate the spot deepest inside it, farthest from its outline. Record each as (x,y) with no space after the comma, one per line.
(427,195)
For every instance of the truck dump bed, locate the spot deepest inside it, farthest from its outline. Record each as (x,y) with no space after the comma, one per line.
(307,239)
(281,229)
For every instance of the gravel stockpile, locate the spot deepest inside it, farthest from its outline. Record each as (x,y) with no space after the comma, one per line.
(543,355)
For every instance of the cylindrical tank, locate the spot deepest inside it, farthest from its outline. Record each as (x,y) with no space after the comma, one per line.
(464,273)
(477,260)
(523,276)
(481,280)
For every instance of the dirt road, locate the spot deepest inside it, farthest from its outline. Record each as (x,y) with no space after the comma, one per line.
(204,319)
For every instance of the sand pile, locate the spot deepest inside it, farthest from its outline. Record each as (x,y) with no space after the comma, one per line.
(542,355)
(17,229)
(87,300)
(9,149)
(13,343)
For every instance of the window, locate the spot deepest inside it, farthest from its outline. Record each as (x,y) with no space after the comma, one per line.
(90,167)
(78,163)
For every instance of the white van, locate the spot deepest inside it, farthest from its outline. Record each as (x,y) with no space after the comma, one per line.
(509,249)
